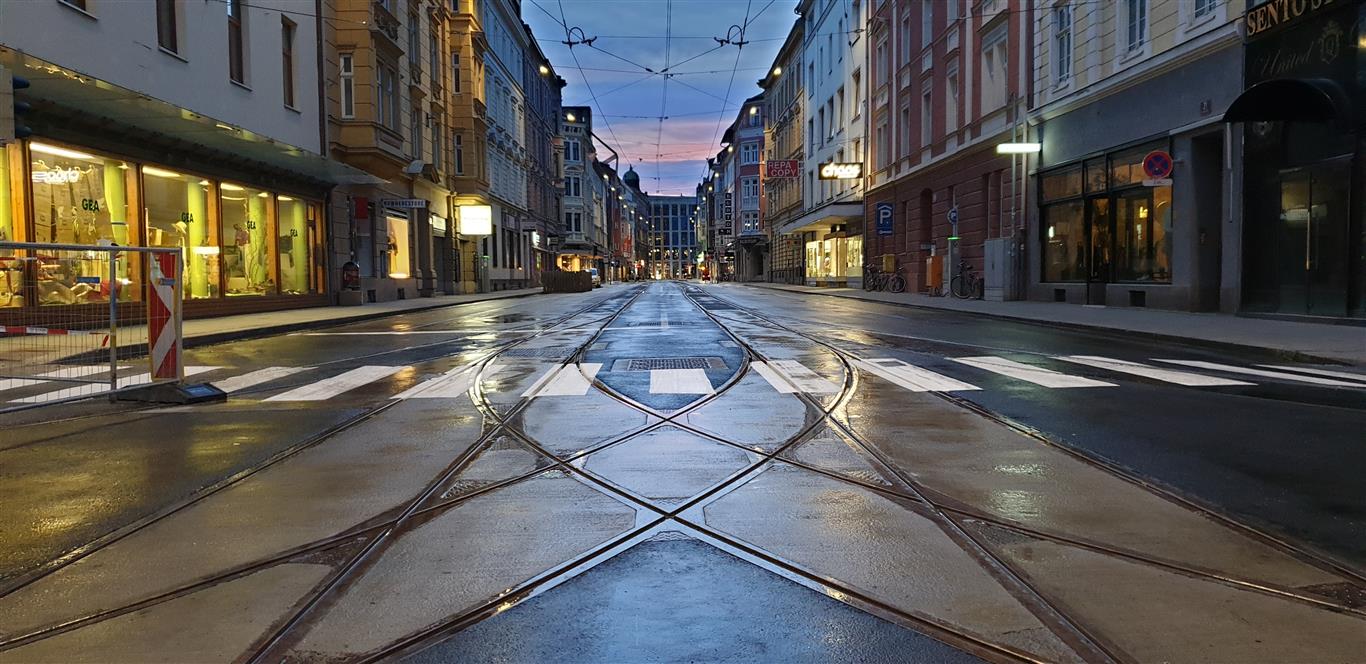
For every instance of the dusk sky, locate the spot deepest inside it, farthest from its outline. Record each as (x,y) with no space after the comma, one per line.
(670,156)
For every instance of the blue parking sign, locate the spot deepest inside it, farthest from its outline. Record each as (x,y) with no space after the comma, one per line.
(884,218)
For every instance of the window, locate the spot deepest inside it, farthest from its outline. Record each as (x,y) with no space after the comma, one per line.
(820,115)
(573,222)
(951,101)
(810,136)
(236,65)
(749,153)
(414,45)
(881,71)
(811,80)
(438,145)
(857,99)
(884,142)
(348,85)
(459,155)
(247,225)
(994,71)
(398,258)
(296,223)
(386,95)
(287,59)
(1062,43)
(166,25)
(1204,8)
(1064,250)
(572,151)
(573,186)
(434,54)
(749,192)
(839,108)
(926,119)
(1136,23)
(907,41)
(926,21)
(952,8)
(415,132)
(829,53)
(455,72)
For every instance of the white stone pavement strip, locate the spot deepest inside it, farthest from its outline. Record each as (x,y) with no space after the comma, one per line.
(911,377)
(569,380)
(451,385)
(1319,372)
(679,381)
(1031,374)
(69,372)
(100,388)
(331,387)
(254,378)
(1215,366)
(790,376)
(1146,371)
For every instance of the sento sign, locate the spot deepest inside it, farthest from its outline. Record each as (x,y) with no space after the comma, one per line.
(841,171)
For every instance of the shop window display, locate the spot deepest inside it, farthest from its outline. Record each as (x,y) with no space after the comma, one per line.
(79,198)
(11,221)
(179,214)
(398,258)
(248,254)
(295,221)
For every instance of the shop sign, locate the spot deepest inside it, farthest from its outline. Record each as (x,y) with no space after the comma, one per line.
(782,168)
(1277,13)
(841,171)
(884,218)
(439,223)
(403,203)
(727,207)
(476,219)
(57,176)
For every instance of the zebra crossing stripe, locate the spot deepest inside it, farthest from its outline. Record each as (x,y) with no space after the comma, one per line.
(1319,372)
(1156,373)
(911,377)
(254,378)
(777,380)
(797,375)
(100,388)
(450,385)
(567,380)
(679,381)
(1028,373)
(1263,372)
(69,372)
(331,387)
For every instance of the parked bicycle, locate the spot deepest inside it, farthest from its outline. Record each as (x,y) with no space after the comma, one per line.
(875,279)
(966,285)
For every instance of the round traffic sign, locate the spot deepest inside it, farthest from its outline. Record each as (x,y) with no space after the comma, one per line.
(1158,164)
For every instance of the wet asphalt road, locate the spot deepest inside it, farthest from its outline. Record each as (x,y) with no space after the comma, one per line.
(677,472)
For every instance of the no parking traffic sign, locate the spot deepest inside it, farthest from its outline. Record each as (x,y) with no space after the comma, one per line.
(1157,166)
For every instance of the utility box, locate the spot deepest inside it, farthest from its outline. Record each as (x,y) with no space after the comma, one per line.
(934,274)
(1002,269)
(889,263)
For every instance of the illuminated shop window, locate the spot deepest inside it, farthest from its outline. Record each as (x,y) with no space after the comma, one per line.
(248,246)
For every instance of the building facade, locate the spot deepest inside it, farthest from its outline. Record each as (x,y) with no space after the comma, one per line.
(673,252)
(744,141)
(785,153)
(197,126)
(544,169)
(578,249)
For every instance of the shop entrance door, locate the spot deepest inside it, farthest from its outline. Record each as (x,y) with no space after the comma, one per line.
(1315,257)
(1098,249)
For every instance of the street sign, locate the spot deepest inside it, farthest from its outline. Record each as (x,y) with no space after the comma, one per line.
(953,215)
(1157,182)
(403,203)
(1157,165)
(884,218)
(782,168)
(727,207)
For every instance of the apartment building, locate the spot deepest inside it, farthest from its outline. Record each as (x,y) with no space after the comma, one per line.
(578,249)
(785,152)
(544,170)
(190,125)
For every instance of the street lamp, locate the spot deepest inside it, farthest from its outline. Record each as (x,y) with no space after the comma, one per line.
(1018,148)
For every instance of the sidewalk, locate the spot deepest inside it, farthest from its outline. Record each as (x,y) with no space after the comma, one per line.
(204,331)
(1301,341)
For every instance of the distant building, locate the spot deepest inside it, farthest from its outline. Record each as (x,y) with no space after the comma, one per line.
(673,251)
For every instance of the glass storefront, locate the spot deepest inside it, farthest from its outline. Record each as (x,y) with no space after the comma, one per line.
(236,240)
(834,259)
(1101,224)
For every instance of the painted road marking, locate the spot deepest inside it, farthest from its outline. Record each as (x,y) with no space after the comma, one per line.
(1320,372)
(331,387)
(254,378)
(1028,373)
(69,372)
(100,388)
(1262,372)
(789,376)
(911,377)
(450,385)
(1156,373)
(679,381)
(569,380)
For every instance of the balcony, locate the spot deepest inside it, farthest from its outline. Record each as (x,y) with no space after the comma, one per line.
(383,23)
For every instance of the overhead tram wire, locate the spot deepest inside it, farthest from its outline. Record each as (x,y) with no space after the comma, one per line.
(664,89)
(569,41)
(725,101)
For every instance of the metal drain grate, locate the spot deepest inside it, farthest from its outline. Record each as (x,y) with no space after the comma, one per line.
(537,352)
(653,363)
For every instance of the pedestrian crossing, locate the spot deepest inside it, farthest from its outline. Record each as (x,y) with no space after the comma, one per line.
(949,375)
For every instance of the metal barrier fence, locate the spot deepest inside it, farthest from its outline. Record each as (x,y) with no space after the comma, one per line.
(79,321)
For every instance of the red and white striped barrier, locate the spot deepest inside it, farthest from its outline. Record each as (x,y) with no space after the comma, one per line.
(163,334)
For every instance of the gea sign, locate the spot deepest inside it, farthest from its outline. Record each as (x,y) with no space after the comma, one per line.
(841,171)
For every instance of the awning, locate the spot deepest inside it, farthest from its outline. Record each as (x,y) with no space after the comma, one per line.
(822,218)
(1291,99)
(69,91)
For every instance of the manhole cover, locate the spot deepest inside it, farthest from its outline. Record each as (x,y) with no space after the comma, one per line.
(536,352)
(653,363)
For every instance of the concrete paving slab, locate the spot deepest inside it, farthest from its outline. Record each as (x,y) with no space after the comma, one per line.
(1154,615)
(882,548)
(217,624)
(829,451)
(464,557)
(666,464)
(989,467)
(569,425)
(323,491)
(685,601)
(752,414)
(503,458)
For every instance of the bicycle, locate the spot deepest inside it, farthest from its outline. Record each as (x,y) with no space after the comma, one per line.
(966,285)
(877,280)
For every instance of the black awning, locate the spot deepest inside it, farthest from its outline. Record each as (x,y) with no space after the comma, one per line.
(1291,99)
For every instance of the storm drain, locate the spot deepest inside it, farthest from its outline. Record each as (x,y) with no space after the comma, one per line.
(653,363)
(537,352)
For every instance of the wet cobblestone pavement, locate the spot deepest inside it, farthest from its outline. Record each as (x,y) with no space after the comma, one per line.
(678,473)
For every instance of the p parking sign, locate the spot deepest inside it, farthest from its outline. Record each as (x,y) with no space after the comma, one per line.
(884,218)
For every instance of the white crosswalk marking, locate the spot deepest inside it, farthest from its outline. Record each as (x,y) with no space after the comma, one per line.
(1320,372)
(451,385)
(254,378)
(679,381)
(1156,373)
(1029,373)
(101,388)
(331,387)
(911,377)
(789,376)
(570,380)
(69,372)
(1262,372)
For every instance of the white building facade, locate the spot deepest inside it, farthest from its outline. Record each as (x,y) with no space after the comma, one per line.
(510,259)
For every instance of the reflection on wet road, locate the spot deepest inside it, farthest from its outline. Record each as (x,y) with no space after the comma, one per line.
(667,472)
